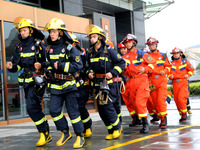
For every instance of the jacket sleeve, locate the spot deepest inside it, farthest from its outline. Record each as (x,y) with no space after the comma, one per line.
(16,61)
(189,68)
(74,65)
(118,61)
(167,66)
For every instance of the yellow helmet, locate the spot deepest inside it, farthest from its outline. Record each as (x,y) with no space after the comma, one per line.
(93,29)
(21,22)
(55,23)
(73,36)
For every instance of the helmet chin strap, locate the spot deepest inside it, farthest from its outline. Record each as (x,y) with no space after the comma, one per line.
(153,50)
(130,48)
(176,58)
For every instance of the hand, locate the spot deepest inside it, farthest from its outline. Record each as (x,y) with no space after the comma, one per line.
(9,65)
(171,76)
(162,73)
(37,66)
(109,75)
(141,70)
(150,71)
(186,76)
(91,75)
(46,75)
(56,65)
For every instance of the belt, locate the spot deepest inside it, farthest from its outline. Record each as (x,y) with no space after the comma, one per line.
(99,76)
(178,80)
(138,75)
(117,79)
(156,76)
(63,77)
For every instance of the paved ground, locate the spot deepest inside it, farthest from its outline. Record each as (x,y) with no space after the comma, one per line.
(182,136)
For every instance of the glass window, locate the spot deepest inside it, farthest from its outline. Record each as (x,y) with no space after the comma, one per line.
(16,100)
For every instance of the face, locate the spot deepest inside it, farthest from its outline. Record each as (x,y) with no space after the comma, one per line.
(152,46)
(176,55)
(24,32)
(128,44)
(123,51)
(54,34)
(94,38)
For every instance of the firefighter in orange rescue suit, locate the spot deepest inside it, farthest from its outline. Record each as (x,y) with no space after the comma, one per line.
(125,93)
(181,70)
(158,80)
(139,65)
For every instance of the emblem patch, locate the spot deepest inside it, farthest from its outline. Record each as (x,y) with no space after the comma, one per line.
(63,50)
(119,56)
(149,59)
(33,48)
(77,59)
(127,56)
(51,51)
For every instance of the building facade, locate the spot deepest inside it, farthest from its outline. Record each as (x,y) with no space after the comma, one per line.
(116,17)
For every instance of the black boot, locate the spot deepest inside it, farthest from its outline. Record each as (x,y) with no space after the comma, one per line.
(183,117)
(134,121)
(155,118)
(145,124)
(163,123)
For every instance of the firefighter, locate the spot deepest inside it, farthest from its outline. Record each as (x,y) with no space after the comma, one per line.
(137,70)
(83,88)
(65,62)
(158,79)
(125,93)
(105,64)
(29,50)
(180,71)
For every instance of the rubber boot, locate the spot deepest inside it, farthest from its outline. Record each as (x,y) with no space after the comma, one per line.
(189,112)
(109,137)
(155,118)
(88,132)
(183,118)
(66,135)
(134,121)
(79,141)
(45,137)
(145,124)
(117,133)
(163,123)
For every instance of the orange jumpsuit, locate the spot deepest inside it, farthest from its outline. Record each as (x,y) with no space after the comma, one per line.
(179,69)
(139,83)
(159,95)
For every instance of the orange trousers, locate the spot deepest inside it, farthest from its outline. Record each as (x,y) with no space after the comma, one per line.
(181,93)
(139,94)
(159,96)
(127,100)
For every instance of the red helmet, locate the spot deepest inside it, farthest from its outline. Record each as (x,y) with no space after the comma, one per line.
(121,45)
(151,40)
(130,37)
(176,50)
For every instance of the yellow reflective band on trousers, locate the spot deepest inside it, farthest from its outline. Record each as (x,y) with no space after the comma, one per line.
(132,113)
(60,87)
(86,120)
(76,120)
(188,105)
(185,110)
(40,121)
(118,69)
(27,54)
(66,69)
(27,80)
(116,122)
(151,114)
(58,117)
(18,68)
(108,82)
(109,127)
(142,115)
(162,113)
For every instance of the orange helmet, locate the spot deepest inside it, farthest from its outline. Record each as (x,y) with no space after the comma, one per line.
(130,37)
(121,45)
(151,40)
(176,50)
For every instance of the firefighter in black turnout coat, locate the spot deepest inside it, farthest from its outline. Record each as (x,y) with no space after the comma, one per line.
(28,51)
(65,62)
(105,64)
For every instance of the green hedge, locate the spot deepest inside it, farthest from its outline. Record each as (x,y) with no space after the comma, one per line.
(194,88)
